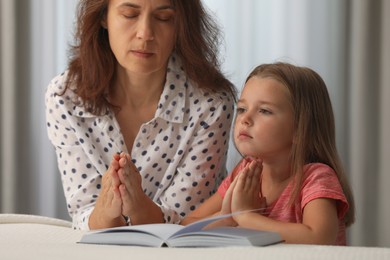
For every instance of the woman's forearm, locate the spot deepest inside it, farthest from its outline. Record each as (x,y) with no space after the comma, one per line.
(144,211)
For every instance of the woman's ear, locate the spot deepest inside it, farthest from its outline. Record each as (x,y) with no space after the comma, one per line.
(103,23)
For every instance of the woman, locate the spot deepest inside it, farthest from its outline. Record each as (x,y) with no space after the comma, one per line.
(144,80)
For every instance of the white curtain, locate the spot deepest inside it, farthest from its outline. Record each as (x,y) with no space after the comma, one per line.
(303,32)
(34,39)
(346,41)
(369,128)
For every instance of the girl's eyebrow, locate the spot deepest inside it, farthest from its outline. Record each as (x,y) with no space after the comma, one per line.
(258,103)
(241,100)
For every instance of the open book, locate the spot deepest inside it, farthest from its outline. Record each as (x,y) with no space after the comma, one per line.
(173,235)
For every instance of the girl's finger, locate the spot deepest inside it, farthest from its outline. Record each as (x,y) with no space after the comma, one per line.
(255,185)
(241,179)
(250,179)
(229,191)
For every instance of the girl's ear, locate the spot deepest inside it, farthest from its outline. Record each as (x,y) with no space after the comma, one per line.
(295,139)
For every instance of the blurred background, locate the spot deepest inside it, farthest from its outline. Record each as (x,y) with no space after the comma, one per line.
(346,41)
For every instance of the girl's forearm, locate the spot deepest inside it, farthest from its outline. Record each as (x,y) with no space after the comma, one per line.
(218,223)
(293,233)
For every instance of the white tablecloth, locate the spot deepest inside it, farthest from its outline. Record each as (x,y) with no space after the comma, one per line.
(35,237)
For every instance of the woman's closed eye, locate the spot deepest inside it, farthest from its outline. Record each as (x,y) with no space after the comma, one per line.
(164,16)
(131,14)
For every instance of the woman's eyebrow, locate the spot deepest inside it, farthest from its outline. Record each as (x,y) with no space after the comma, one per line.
(164,7)
(133,5)
(128,4)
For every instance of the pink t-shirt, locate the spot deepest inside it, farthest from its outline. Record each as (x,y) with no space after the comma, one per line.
(320,181)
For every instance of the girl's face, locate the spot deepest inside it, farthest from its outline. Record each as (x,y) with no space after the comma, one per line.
(264,126)
(141,33)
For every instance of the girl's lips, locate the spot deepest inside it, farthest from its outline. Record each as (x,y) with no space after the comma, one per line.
(243,134)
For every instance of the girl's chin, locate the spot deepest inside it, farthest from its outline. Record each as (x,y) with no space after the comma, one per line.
(251,155)
(247,150)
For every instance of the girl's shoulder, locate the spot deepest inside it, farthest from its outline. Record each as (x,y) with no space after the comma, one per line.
(321,181)
(319,174)
(317,168)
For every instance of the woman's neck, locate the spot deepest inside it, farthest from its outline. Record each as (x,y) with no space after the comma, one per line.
(137,90)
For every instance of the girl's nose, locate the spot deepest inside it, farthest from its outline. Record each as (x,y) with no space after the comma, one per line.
(246,119)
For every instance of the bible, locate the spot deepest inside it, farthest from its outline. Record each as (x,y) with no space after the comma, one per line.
(175,235)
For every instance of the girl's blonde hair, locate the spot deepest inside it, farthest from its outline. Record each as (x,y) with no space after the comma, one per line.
(314,124)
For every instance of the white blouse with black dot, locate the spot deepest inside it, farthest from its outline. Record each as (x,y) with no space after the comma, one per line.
(180,153)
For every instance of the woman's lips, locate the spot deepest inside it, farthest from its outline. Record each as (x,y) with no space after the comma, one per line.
(142,53)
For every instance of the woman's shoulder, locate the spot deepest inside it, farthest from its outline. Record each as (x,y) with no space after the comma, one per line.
(57,93)
(57,87)
(57,84)
(200,95)
(209,98)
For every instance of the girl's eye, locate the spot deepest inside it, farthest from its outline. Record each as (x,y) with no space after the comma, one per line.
(240,110)
(265,111)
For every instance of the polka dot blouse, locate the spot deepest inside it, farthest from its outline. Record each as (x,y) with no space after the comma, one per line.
(180,153)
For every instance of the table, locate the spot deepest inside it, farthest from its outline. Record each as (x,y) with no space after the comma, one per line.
(38,237)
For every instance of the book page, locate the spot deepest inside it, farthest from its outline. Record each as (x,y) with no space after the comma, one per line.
(198,225)
(225,236)
(162,231)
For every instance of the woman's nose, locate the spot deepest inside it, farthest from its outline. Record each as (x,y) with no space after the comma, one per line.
(145,29)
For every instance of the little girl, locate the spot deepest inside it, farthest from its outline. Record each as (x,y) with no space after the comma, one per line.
(285,130)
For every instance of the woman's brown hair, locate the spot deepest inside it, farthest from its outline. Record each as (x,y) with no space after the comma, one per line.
(92,65)
(314,124)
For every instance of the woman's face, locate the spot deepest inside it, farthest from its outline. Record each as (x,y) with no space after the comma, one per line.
(141,33)
(264,120)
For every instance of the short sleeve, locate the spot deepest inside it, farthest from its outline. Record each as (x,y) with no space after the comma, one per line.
(322,182)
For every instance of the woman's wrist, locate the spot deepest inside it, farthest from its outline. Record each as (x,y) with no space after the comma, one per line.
(98,221)
(127,220)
